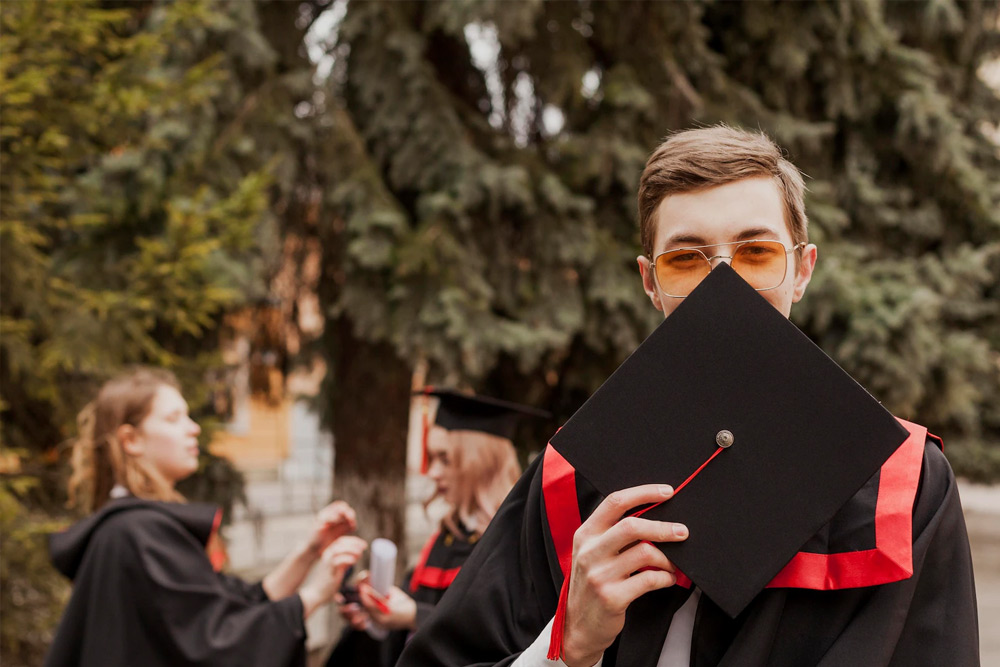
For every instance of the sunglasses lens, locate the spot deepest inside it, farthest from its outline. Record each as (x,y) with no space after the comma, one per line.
(761,263)
(679,272)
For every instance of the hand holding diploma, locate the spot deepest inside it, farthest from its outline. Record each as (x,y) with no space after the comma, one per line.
(395,611)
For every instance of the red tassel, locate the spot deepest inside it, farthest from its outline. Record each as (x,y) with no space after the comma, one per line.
(425,457)
(559,623)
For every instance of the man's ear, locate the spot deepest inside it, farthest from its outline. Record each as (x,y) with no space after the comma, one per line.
(648,283)
(129,439)
(806,264)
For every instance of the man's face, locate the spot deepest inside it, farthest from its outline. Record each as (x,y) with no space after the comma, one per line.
(738,211)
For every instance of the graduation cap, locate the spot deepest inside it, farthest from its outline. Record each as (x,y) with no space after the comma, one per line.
(761,434)
(468,412)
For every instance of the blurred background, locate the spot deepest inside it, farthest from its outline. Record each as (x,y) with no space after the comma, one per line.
(307,209)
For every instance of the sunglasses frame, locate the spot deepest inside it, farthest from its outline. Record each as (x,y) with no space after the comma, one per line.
(738,244)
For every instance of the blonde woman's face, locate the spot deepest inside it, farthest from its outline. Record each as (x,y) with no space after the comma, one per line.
(167,438)
(441,468)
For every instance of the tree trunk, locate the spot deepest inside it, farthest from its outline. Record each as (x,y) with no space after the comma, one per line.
(369,389)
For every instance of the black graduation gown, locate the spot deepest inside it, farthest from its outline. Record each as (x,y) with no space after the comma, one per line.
(509,589)
(440,561)
(145,593)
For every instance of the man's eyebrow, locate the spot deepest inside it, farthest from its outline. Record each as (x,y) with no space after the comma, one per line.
(755,233)
(689,239)
(695,240)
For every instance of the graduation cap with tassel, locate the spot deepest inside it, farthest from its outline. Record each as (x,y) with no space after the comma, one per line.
(458,411)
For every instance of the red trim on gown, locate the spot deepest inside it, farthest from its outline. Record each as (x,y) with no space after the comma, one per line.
(431,577)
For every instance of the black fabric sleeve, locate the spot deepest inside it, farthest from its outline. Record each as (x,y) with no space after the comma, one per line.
(250,592)
(942,622)
(196,617)
(930,618)
(504,595)
(424,610)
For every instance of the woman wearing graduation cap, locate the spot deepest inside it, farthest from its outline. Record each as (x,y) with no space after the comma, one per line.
(146,590)
(468,454)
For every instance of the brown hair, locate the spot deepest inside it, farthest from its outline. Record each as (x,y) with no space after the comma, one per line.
(485,468)
(99,461)
(703,158)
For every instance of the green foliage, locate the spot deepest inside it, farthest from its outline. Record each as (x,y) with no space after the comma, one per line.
(500,247)
(140,169)
(120,243)
(492,253)
(145,152)
(33,593)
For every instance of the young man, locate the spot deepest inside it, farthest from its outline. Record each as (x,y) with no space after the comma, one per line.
(703,195)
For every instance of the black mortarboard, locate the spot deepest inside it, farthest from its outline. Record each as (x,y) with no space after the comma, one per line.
(468,412)
(804,435)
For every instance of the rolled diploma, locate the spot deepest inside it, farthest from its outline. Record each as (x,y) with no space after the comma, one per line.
(382,576)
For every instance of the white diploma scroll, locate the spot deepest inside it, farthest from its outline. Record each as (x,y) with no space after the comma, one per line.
(382,576)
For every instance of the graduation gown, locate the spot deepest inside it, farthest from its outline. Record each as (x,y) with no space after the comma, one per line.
(887,582)
(440,561)
(145,593)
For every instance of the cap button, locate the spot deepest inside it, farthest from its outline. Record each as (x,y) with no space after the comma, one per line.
(724,438)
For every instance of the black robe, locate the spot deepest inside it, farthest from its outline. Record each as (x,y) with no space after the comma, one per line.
(145,593)
(509,589)
(442,557)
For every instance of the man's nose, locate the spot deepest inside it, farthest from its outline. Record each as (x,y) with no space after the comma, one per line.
(727,258)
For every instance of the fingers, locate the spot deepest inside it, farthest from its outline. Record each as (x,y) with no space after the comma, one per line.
(630,536)
(368,594)
(633,529)
(608,579)
(643,555)
(344,552)
(349,544)
(342,561)
(340,514)
(616,505)
(643,582)
(374,604)
(614,594)
(355,616)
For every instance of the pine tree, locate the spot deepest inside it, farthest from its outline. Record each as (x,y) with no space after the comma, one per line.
(490,229)
(148,150)
(148,153)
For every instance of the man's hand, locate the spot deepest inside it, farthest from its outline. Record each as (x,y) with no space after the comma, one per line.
(608,553)
(333,521)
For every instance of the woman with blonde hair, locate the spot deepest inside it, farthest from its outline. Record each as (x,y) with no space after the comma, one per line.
(470,457)
(145,590)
